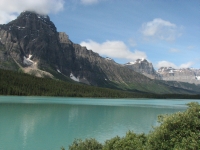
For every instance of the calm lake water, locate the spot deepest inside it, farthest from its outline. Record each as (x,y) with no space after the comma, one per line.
(47,123)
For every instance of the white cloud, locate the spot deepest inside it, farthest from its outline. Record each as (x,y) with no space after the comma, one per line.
(186,65)
(89,2)
(9,8)
(6,17)
(170,64)
(165,64)
(160,29)
(174,50)
(113,49)
(132,42)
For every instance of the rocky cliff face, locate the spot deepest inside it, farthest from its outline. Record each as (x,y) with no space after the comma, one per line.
(187,75)
(88,67)
(31,42)
(144,67)
(183,75)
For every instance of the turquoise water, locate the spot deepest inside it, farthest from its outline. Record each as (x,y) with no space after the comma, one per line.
(47,123)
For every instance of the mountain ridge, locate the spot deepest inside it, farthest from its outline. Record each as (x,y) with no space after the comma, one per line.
(31,43)
(188,75)
(144,67)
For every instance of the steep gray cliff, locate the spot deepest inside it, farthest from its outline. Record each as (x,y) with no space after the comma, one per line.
(31,43)
(144,67)
(90,67)
(188,75)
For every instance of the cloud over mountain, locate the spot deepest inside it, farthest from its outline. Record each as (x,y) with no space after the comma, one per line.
(113,49)
(170,64)
(9,9)
(160,29)
(186,65)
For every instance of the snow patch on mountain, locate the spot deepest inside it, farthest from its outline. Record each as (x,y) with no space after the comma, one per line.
(189,75)
(131,63)
(28,61)
(171,71)
(58,71)
(107,58)
(198,77)
(136,62)
(73,77)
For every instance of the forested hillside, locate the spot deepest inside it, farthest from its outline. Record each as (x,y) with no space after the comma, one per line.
(16,83)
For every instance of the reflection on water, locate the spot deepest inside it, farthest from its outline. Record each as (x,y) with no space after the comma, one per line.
(49,123)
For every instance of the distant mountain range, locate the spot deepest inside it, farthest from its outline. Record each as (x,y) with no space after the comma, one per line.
(188,75)
(32,44)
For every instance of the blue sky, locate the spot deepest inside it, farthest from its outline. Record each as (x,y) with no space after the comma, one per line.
(165,32)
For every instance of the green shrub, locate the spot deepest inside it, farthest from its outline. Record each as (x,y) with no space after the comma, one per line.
(112,143)
(179,131)
(88,144)
(131,141)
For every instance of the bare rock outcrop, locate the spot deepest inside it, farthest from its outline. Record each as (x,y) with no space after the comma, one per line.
(188,75)
(144,67)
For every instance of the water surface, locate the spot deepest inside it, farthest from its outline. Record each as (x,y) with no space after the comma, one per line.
(29,123)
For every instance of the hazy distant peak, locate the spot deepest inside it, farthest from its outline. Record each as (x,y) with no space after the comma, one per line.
(137,61)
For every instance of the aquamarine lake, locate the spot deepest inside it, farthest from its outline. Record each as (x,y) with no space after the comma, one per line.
(47,123)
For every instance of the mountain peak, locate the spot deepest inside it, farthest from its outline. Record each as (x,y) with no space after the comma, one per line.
(144,67)
(161,69)
(182,74)
(32,43)
(31,21)
(32,13)
(138,61)
(108,58)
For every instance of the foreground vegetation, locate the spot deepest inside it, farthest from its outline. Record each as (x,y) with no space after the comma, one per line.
(16,83)
(179,131)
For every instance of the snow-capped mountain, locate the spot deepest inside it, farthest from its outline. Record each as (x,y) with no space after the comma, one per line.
(144,67)
(189,75)
(32,44)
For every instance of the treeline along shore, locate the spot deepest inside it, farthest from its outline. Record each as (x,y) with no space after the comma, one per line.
(21,84)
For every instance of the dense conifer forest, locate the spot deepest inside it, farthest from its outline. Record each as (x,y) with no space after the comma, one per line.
(18,83)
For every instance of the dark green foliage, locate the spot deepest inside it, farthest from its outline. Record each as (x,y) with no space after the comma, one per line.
(18,83)
(62,148)
(131,141)
(88,144)
(112,143)
(179,131)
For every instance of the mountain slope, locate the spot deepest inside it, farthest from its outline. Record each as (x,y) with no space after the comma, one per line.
(188,75)
(144,67)
(31,43)
(15,83)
